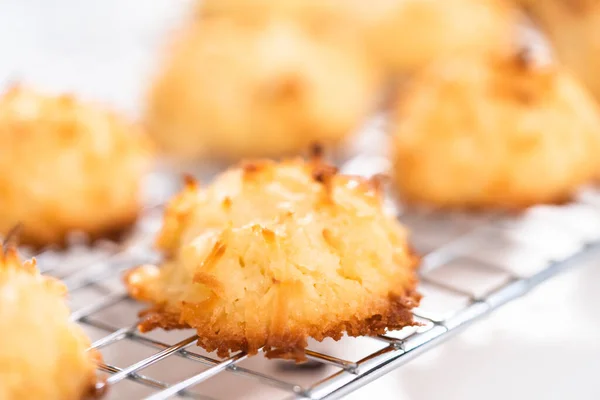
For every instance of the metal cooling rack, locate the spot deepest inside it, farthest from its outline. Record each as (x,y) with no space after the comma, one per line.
(473,264)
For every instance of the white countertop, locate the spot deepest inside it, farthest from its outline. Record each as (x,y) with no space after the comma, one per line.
(543,346)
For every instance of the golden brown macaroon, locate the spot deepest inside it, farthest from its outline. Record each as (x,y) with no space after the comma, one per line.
(232,88)
(573,27)
(501,133)
(271,254)
(42,354)
(66,166)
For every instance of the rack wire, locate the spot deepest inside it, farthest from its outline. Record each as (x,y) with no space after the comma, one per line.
(472,264)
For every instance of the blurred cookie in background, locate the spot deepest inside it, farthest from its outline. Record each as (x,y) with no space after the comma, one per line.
(409,34)
(404,35)
(494,132)
(259,84)
(573,28)
(67,166)
(264,78)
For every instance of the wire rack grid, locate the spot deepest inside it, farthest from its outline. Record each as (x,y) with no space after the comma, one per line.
(472,264)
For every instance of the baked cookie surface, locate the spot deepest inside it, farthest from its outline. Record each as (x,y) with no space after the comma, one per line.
(272,253)
(573,28)
(261,83)
(66,165)
(42,354)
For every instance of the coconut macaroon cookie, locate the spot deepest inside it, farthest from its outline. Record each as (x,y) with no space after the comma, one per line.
(233,87)
(495,133)
(42,354)
(272,253)
(66,165)
(573,28)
